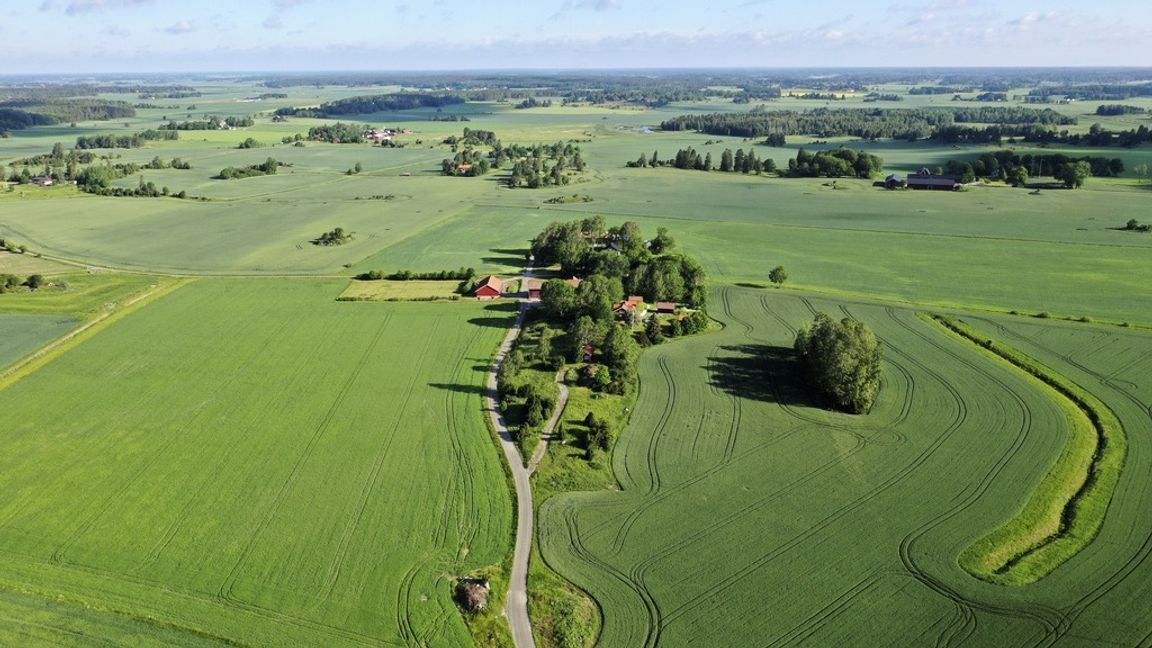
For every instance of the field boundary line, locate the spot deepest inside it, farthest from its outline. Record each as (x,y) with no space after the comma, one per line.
(37,359)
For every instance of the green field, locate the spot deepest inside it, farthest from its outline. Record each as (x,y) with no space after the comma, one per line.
(250,461)
(745,511)
(23,334)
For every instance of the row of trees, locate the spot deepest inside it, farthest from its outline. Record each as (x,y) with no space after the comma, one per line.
(461,274)
(210,123)
(16,114)
(136,140)
(865,123)
(689,158)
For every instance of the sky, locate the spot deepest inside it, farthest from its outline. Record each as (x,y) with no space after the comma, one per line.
(88,36)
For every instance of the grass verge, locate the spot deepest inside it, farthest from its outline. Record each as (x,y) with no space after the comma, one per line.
(1067,509)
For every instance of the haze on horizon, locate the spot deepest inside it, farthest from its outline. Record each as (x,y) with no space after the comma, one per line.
(148,36)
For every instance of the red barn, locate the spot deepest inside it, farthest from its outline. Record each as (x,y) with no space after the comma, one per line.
(534,286)
(491,287)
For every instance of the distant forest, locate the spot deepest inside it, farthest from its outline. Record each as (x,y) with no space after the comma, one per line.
(375,103)
(25,113)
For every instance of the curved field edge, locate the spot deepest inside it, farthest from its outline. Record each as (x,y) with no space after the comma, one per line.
(1067,509)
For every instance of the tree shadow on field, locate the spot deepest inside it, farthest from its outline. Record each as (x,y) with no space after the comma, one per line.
(760,372)
(463,389)
(516,258)
(502,313)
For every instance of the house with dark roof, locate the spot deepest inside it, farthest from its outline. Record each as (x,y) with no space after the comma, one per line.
(923,179)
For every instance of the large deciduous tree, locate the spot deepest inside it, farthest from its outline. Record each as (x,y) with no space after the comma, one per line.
(842,360)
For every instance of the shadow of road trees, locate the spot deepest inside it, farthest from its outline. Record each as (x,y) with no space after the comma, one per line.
(760,372)
(501,314)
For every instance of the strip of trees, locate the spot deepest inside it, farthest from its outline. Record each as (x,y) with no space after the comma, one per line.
(136,140)
(267,167)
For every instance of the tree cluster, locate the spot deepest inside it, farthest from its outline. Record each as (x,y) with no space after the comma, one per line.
(332,237)
(533,102)
(841,360)
(338,133)
(1112,110)
(1016,169)
(267,167)
(837,163)
(11,282)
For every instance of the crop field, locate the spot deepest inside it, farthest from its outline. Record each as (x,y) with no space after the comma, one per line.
(250,462)
(23,334)
(746,511)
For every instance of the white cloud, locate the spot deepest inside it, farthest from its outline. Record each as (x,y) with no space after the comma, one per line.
(85,6)
(182,27)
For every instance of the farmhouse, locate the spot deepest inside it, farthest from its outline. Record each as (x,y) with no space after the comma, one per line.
(491,287)
(574,281)
(894,181)
(629,306)
(666,308)
(923,179)
(43,181)
(534,286)
(463,168)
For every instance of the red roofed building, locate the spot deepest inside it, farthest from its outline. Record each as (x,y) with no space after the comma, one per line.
(534,286)
(491,287)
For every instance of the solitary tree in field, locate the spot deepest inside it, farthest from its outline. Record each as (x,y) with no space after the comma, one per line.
(841,360)
(778,276)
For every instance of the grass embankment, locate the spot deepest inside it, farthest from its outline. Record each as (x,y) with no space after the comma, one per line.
(416,290)
(1066,511)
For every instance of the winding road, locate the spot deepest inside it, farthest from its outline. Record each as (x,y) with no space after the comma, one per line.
(517,607)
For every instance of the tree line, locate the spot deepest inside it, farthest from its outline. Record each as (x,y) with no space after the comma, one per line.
(211,123)
(865,123)
(16,114)
(1016,169)
(690,158)
(375,103)
(135,140)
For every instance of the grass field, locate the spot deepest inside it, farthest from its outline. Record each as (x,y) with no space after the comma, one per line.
(23,334)
(385,290)
(250,461)
(747,512)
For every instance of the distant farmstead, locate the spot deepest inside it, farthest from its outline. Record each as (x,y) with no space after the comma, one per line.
(923,179)
(491,287)
(43,181)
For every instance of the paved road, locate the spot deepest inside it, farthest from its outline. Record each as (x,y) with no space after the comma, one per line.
(517,608)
